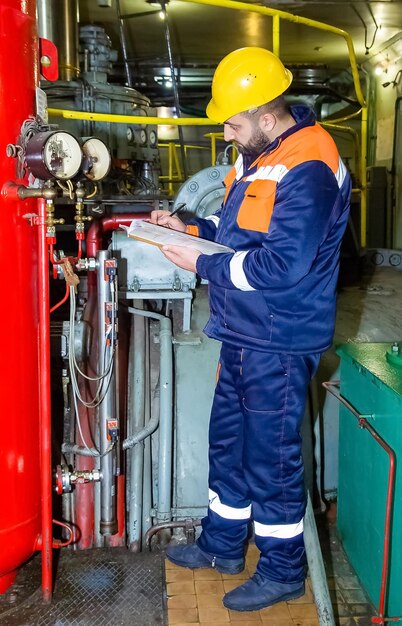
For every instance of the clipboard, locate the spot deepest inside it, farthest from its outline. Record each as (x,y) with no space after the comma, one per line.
(157,235)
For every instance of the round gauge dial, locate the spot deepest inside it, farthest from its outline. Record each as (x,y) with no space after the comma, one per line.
(97,159)
(153,138)
(53,154)
(142,137)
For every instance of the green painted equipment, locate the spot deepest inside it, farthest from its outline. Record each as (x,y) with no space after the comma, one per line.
(372,383)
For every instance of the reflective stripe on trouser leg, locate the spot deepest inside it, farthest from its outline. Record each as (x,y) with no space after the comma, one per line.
(225,528)
(274,394)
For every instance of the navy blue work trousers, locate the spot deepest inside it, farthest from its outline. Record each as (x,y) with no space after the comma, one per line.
(255,463)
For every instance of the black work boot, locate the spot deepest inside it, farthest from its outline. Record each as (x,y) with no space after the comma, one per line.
(193,557)
(259,592)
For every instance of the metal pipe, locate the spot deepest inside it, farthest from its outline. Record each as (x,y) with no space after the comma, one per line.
(73,448)
(45,406)
(136,417)
(132,119)
(316,568)
(331,386)
(123,41)
(153,423)
(174,85)
(66,32)
(165,424)
(107,408)
(46,20)
(147,474)
(165,413)
(158,527)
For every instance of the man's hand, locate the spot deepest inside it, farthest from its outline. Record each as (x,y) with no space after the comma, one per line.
(184,257)
(163,218)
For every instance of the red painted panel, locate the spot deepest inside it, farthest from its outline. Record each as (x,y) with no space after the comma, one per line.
(20,521)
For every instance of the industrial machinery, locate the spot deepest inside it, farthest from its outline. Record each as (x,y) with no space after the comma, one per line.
(122,341)
(113,421)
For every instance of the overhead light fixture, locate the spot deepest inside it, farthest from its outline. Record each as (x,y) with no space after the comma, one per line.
(394,82)
(378,70)
(156,4)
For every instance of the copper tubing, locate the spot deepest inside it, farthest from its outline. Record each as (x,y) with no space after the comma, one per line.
(330,386)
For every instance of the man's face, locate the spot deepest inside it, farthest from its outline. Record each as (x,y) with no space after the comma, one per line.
(246,134)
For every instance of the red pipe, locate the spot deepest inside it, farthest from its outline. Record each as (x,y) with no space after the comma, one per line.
(45,405)
(94,238)
(363,423)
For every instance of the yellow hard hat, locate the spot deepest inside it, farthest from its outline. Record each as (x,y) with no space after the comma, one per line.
(246,79)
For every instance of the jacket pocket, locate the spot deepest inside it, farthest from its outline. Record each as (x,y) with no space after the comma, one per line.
(256,209)
(247,314)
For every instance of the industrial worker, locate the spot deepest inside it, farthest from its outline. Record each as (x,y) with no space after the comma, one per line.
(272,305)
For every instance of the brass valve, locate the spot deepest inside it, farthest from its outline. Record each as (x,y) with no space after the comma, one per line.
(50,219)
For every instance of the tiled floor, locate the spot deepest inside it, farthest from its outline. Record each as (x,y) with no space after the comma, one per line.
(195,597)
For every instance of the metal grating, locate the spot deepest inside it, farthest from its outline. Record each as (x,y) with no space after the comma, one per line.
(98,588)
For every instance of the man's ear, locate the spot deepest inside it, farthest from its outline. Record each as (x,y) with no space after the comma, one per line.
(267,122)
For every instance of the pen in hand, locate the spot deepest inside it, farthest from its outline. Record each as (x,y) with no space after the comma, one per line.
(178,209)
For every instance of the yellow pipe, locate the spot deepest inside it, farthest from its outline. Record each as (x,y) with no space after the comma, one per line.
(213,137)
(176,162)
(132,119)
(356,141)
(243,6)
(276,35)
(186,146)
(345,117)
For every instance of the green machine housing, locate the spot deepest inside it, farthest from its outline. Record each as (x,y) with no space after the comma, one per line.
(371,380)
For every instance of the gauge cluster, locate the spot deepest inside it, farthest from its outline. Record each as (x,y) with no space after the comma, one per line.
(57,154)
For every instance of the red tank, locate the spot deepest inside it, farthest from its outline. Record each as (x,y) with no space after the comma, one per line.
(20,514)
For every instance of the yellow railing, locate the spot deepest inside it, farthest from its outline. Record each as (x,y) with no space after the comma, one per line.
(277,15)
(174,163)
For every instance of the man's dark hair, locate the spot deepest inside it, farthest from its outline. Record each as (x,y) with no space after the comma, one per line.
(278,107)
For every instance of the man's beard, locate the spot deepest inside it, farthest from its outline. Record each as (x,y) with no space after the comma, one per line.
(256,145)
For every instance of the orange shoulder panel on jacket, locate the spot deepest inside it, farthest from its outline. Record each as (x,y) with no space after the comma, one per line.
(228,181)
(308,144)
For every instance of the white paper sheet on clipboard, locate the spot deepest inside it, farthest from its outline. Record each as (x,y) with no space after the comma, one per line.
(161,236)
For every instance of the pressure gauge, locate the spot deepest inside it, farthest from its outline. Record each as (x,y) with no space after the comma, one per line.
(97,160)
(142,137)
(153,138)
(53,154)
(130,134)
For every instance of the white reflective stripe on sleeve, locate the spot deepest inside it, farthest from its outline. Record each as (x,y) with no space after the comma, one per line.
(239,167)
(269,172)
(214,219)
(237,275)
(279,531)
(227,512)
(341,173)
